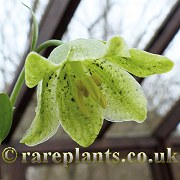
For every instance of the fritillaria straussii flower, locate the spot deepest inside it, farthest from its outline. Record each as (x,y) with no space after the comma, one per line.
(86,81)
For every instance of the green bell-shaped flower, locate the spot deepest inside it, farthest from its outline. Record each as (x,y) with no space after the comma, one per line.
(84,81)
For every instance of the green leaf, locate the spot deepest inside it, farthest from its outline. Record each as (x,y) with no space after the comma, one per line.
(117,46)
(124,96)
(80,116)
(142,63)
(83,49)
(36,68)
(6,115)
(46,121)
(35,29)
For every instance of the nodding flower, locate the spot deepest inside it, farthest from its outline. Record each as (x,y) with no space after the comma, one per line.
(85,81)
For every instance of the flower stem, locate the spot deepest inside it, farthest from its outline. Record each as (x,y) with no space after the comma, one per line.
(48,43)
(21,78)
(17,87)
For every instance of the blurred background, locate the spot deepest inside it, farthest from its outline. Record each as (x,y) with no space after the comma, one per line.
(152,25)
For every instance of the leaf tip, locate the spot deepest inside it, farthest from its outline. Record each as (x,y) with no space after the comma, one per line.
(25,5)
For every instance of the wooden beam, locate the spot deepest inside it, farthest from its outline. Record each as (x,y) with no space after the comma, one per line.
(161,171)
(17,170)
(174,143)
(114,144)
(169,123)
(156,173)
(166,32)
(53,25)
(157,45)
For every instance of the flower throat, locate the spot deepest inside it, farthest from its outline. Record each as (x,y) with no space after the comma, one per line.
(86,85)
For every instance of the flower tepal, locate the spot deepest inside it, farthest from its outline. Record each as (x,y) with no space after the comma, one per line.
(85,81)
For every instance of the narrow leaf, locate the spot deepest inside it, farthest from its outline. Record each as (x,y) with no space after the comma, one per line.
(35,29)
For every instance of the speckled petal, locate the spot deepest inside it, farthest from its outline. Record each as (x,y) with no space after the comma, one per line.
(83,49)
(36,68)
(82,127)
(125,98)
(46,121)
(142,63)
(60,54)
